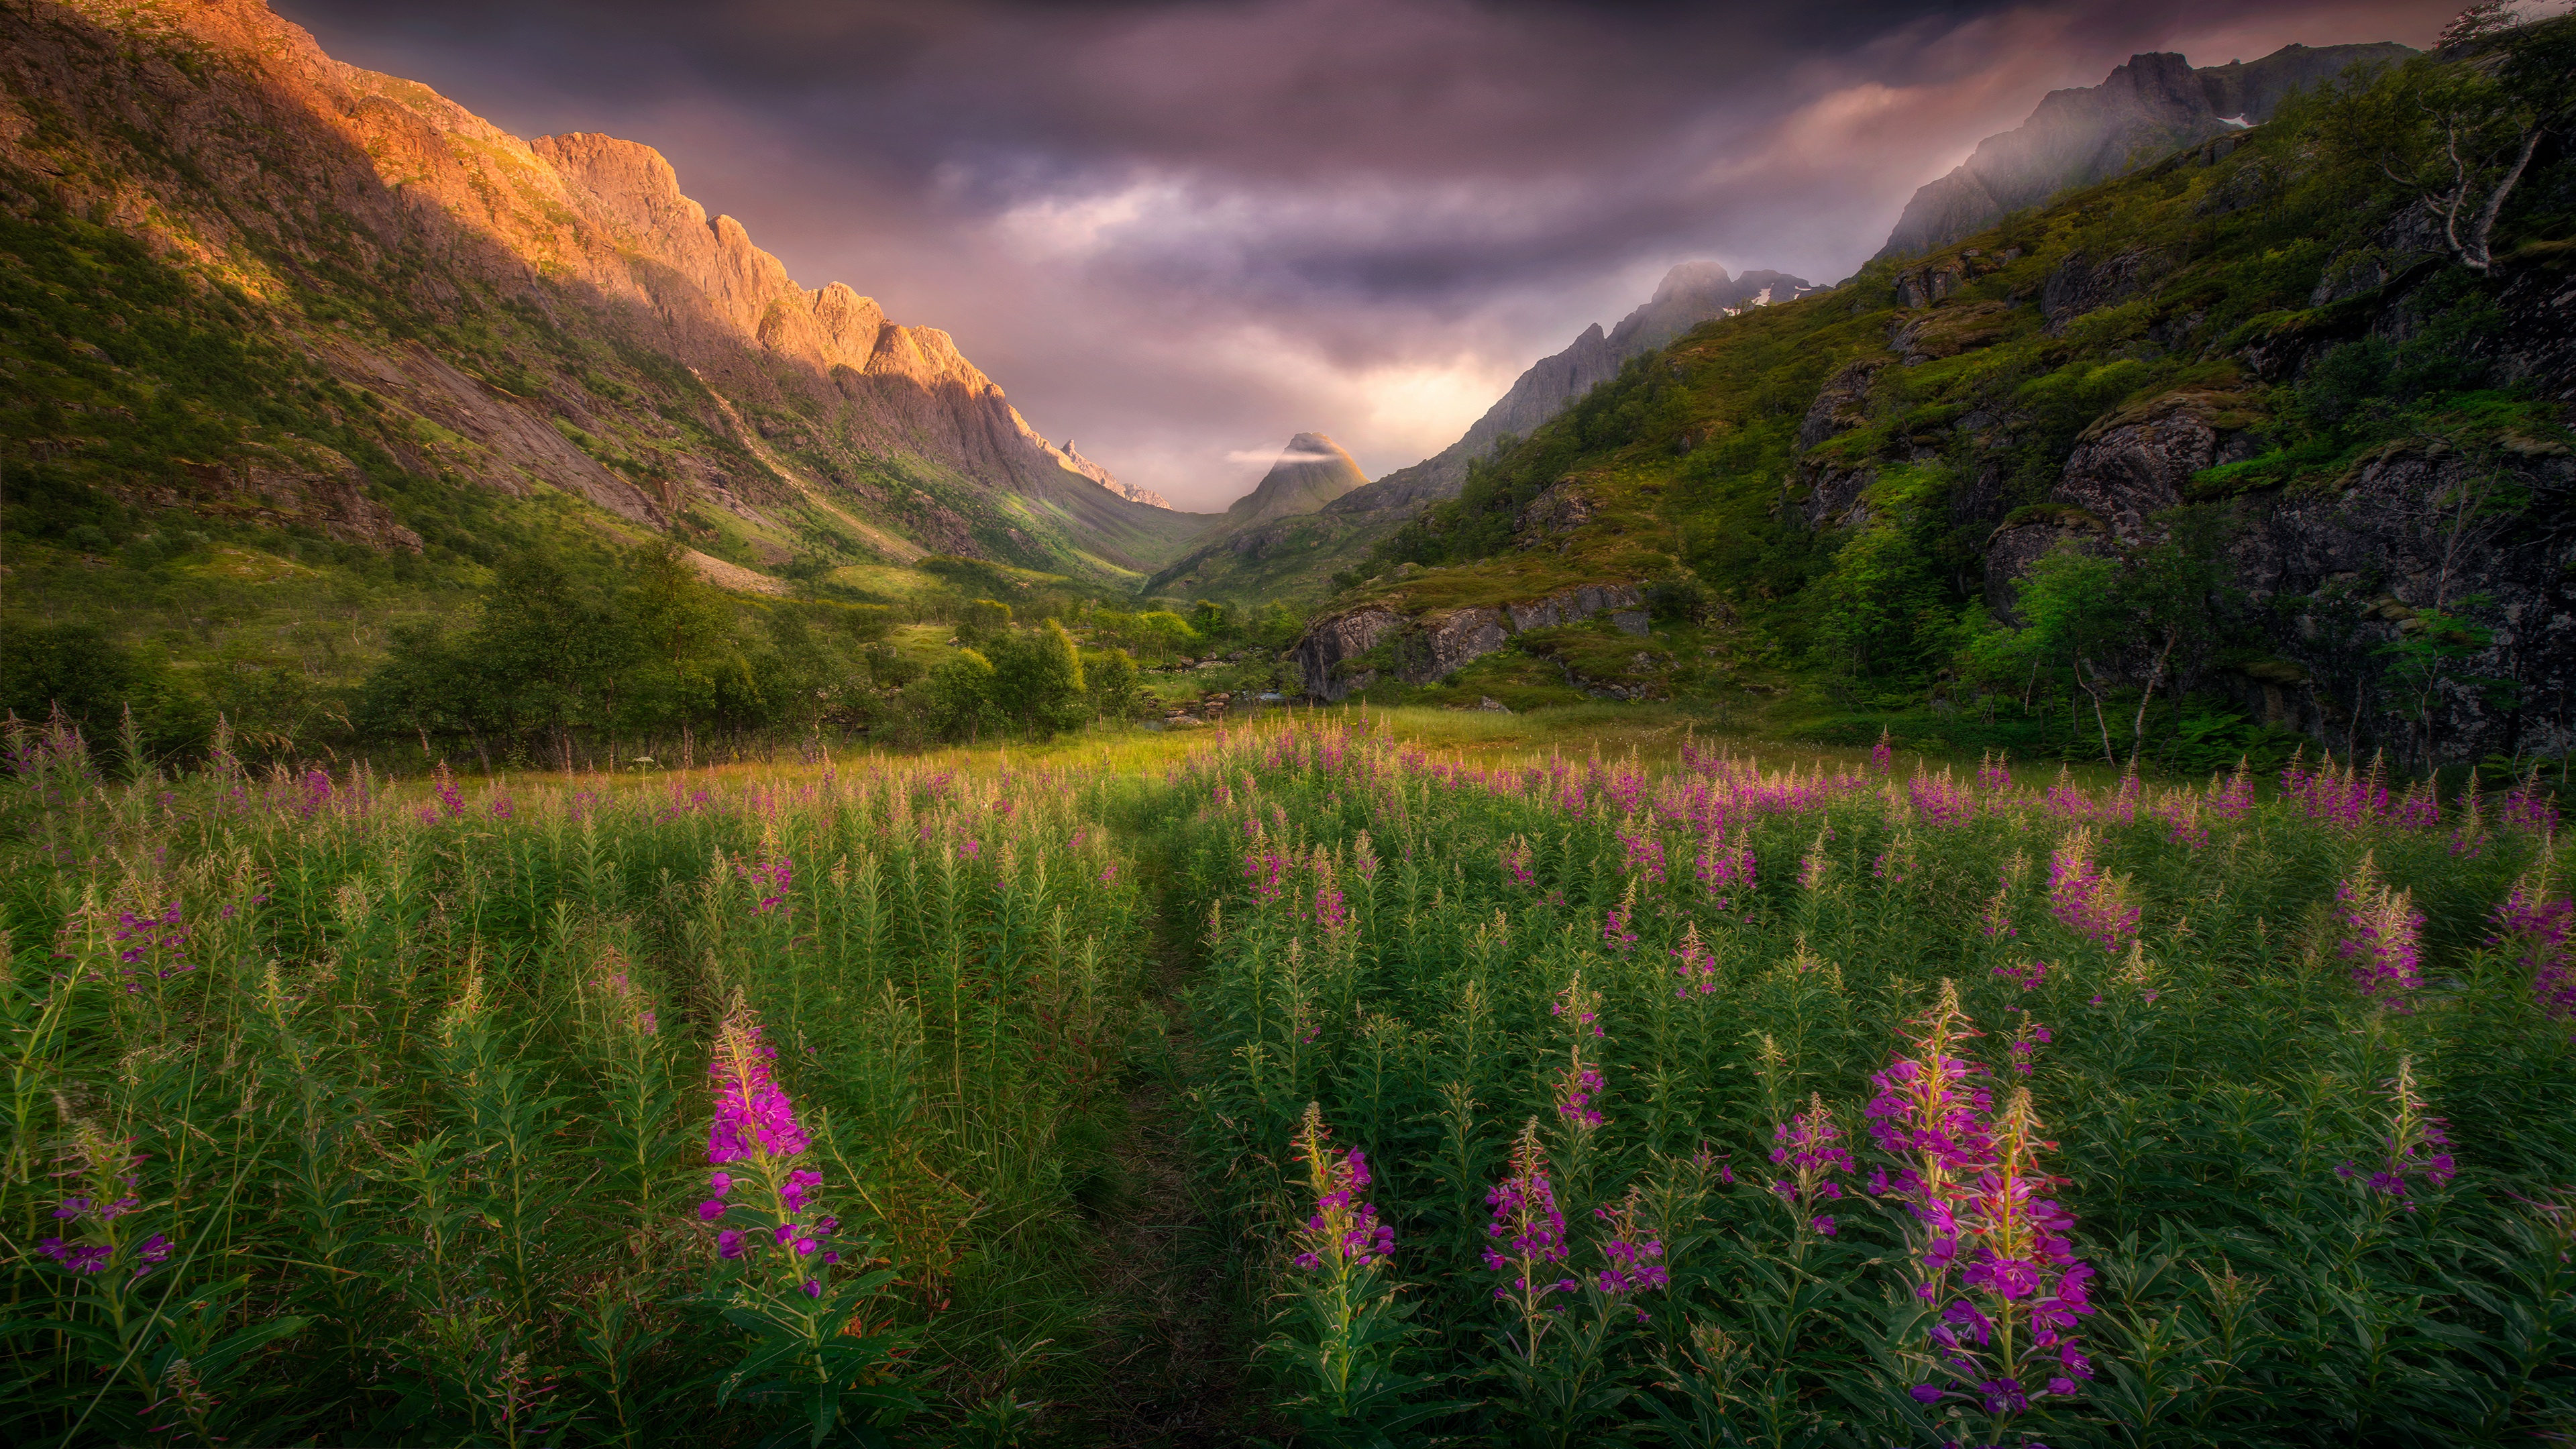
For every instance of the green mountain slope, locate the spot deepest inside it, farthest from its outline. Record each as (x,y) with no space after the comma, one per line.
(2240,427)
(252,285)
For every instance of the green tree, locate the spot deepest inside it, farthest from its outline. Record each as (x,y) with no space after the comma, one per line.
(1116,686)
(1160,633)
(1038,679)
(982,622)
(958,696)
(2074,616)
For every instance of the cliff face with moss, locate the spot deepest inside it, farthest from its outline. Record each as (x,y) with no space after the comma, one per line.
(437,299)
(2241,444)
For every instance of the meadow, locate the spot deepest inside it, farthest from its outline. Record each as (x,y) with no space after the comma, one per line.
(1416,1078)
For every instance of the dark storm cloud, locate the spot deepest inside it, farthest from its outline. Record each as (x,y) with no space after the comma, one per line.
(1182,230)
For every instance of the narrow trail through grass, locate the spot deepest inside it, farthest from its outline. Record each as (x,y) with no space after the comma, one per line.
(1170,1327)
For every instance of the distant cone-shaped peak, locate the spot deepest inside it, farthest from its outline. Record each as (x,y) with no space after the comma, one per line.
(1311,472)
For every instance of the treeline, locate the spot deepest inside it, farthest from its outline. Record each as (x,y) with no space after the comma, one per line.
(567,664)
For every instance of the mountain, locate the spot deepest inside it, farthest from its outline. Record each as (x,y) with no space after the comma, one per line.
(1311,472)
(434,304)
(1292,555)
(2235,448)
(1691,293)
(2151,106)
(1073,459)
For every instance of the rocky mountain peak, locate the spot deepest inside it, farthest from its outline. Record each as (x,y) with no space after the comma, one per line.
(2154,104)
(1312,471)
(1073,459)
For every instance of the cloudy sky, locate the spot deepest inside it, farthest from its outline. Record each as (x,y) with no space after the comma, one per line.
(1179,231)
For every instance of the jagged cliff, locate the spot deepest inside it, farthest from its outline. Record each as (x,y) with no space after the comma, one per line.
(515,313)
(1074,459)
(2142,110)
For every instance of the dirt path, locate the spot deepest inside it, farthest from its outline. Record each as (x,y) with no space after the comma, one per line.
(1171,1339)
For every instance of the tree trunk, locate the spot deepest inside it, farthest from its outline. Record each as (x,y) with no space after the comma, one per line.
(2099,718)
(2138,731)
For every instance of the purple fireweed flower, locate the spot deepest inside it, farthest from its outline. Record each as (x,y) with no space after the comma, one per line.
(2021,1289)
(1994,771)
(1343,1233)
(2233,800)
(1928,1117)
(1698,969)
(1632,1256)
(753,1115)
(1726,871)
(2529,806)
(1576,1086)
(1882,756)
(771,879)
(2382,937)
(2533,925)
(2026,1042)
(2026,974)
(2416,1147)
(1939,800)
(1266,870)
(2180,811)
(2085,898)
(1527,1231)
(1517,857)
(1579,1008)
(1810,1148)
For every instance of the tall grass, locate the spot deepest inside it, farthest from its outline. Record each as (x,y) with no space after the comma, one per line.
(1717,1104)
(341,1115)
(1667,1098)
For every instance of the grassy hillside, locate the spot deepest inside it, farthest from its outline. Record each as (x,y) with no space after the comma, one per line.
(1825,496)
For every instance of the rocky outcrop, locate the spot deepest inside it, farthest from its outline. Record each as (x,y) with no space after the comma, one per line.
(2135,463)
(2081,284)
(1841,405)
(2154,104)
(1943,332)
(1833,494)
(1421,649)
(2350,571)
(321,491)
(1691,293)
(1551,518)
(1456,639)
(1573,606)
(1072,458)
(1326,652)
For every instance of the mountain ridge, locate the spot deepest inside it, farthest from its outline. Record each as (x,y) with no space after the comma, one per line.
(1690,293)
(551,312)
